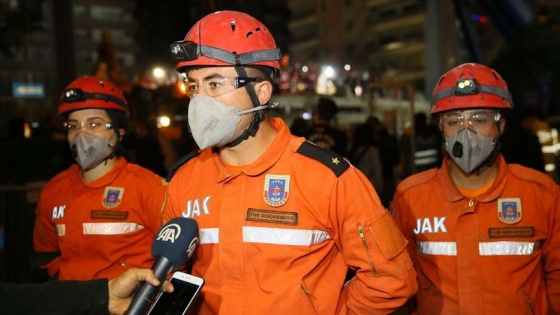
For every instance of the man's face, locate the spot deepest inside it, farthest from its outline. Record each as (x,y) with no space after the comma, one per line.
(216,82)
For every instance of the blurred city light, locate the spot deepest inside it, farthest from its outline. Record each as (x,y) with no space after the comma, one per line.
(158,73)
(479,18)
(163,121)
(329,72)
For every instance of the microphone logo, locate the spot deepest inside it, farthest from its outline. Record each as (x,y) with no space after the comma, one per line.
(192,247)
(169,233)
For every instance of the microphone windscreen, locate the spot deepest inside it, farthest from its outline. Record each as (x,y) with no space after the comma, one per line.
(176,240)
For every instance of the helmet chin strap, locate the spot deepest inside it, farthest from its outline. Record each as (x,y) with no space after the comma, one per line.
(114,148)
(493,156)
(258,116)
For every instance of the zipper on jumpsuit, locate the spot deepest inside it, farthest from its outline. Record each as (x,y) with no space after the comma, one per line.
(363,238)
(529,302)
(527,299)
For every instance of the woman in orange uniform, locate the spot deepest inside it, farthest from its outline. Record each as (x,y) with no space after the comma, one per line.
(99,217)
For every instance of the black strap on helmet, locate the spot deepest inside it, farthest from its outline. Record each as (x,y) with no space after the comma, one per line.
(258,115)
(471,87)
(189,51)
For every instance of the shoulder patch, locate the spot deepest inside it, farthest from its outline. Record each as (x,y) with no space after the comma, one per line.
(332,160)
(180,163)
(416,179)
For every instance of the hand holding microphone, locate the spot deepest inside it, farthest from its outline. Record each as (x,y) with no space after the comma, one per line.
(174,244)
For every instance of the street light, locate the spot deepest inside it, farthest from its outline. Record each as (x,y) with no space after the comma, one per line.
(163,121)
(158,73)
(324,81)
(159,76)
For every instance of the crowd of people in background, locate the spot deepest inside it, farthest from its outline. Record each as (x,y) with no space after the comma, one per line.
(388,158)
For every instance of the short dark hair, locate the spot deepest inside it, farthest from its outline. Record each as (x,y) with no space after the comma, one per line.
(120,120)
(326,108)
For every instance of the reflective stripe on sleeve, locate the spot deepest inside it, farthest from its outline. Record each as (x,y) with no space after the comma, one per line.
(507,248)
(110,228)
(276,236)
(437,248)
(484,248)
(61,229)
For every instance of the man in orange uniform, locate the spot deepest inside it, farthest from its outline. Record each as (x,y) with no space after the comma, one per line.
(99,217)
(484,235)
(281,220)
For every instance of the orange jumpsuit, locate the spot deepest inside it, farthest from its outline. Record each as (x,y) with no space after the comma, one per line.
(278,236)
(498,253)
(99,228)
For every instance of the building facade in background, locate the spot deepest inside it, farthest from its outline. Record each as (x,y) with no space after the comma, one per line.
(64,42)
(385,40)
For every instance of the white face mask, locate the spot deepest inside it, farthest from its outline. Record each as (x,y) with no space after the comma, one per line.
(212,122)
(90,150)
(469,149)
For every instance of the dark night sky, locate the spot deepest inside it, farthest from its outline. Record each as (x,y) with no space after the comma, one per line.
(161,23)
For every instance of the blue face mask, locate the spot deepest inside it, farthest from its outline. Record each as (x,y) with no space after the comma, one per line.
(469,149)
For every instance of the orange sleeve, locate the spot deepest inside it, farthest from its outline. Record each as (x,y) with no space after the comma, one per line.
(552,251)
(155,203)
(45,238)
(373,245)
(170,210)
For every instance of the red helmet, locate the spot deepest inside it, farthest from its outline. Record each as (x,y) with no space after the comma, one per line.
(91,92)
(226,38)
(470,85)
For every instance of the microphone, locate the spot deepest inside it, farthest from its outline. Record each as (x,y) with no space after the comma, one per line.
(173,246)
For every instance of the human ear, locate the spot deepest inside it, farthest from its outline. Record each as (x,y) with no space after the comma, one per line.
(502,125)
(264,91)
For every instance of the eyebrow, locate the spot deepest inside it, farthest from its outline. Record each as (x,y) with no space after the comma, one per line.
(96,117)
(478,110)
(206,78)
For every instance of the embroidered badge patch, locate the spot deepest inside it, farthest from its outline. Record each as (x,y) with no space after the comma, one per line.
(509,210)
(112,196)
(111,215)
(276,189)
(511,232)
(278,217)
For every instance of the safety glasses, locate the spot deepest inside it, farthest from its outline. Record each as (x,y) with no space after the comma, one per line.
(215,86)
(90,125)
(477,119)
(78,95)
